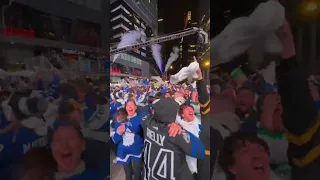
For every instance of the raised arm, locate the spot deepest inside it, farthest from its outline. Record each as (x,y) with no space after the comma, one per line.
(190,144)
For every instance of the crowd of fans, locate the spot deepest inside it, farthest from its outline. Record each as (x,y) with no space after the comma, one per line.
(160,129)
(264,129)
(259,132)
(56,129)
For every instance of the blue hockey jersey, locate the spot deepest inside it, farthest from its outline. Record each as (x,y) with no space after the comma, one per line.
(15,145)
(130,143)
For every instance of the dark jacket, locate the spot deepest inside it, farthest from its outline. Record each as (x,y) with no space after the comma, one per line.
(204,101)
(301,120)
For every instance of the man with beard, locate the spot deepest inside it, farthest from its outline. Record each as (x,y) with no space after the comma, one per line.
(245,100)
(164,155)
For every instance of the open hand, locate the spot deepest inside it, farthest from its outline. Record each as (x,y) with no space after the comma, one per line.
(174,129)
(199,73)
(121,129)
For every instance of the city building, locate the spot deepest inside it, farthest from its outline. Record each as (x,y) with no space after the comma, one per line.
(75,31)
(204,23)
(127,16)
(189,44)
(203,50)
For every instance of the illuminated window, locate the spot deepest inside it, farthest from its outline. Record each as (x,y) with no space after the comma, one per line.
(189,16)
(117,35)
(137,20)
(120,16)
(121,7)
(137,51)
(136,27)
(143,26)
(120,25)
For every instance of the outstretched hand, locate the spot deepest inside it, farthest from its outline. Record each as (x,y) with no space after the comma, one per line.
(199,73)
(285,36)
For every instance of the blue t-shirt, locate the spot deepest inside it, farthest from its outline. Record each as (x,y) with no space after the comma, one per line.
(15,145)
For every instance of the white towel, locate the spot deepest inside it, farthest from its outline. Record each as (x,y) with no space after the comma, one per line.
(189,73)
(192,127)
(254,34)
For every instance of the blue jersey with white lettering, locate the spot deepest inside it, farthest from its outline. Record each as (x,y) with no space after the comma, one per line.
(130,143)
(15,145)
(114,107)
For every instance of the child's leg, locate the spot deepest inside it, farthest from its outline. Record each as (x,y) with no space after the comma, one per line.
(137,170)
(128,171)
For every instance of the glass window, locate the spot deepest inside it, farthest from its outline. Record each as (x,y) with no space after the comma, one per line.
(137,20)
(47,28)
(136,27)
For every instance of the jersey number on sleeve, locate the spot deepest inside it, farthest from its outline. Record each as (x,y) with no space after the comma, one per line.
(162,167)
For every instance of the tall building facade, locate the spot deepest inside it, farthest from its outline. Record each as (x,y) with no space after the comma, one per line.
(127,16)
(147,10)
(203,50)
(188,44)
(74,30)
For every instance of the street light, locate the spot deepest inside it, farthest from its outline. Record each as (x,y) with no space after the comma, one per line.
(171,67)
(310,8)
(207,63)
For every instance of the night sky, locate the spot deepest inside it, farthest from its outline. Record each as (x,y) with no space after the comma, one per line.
(173,15)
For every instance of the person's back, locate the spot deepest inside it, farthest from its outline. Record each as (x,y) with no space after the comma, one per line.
(165,156)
